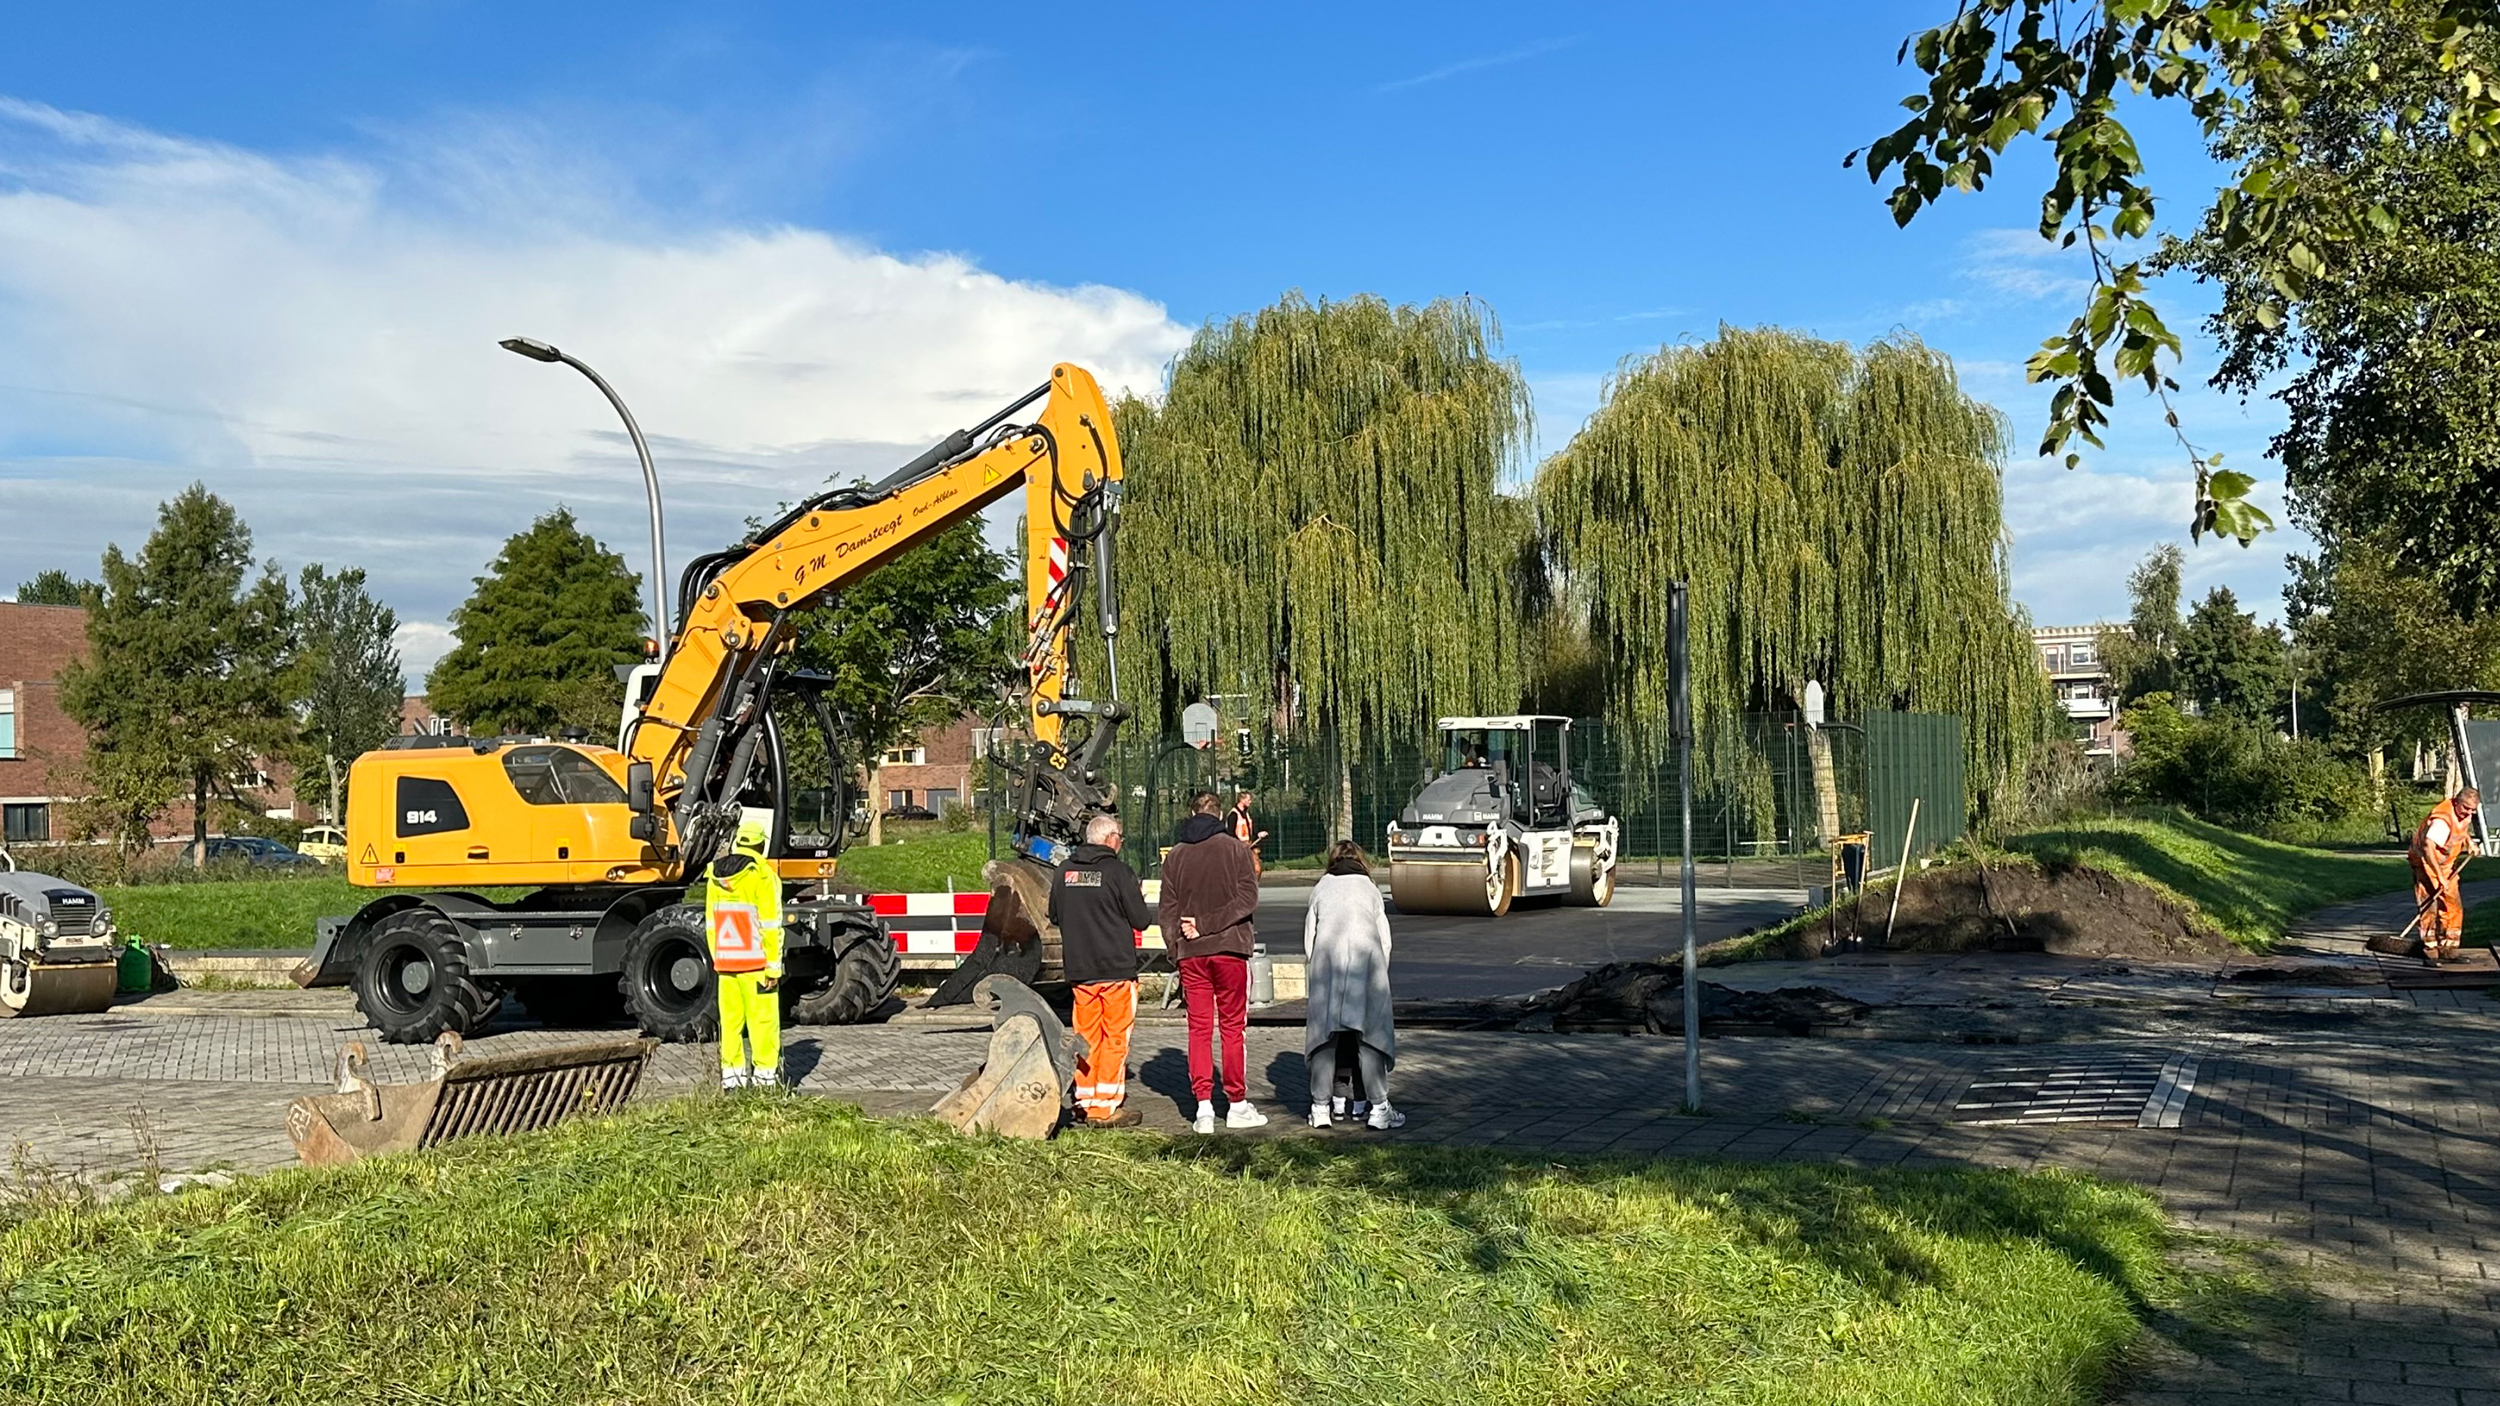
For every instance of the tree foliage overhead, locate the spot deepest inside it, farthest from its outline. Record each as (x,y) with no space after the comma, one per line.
(2004,69)
(183,689)
(347,683)
(2393,351)
(2375,629)
(1314,513)
(541,636)
(57,587)
(1838,515)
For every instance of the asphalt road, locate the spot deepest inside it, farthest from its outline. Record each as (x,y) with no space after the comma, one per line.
(1441,958)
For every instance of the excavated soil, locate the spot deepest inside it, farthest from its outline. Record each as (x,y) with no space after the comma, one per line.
(2079,911)
(1650,996)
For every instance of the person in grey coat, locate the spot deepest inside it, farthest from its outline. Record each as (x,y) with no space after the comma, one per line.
(1345,944)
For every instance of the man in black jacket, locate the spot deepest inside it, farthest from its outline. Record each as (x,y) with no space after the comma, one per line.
(1099,908)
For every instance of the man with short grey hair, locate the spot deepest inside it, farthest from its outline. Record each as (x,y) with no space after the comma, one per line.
(1099,908)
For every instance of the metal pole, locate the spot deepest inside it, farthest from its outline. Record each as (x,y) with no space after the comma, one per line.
(651,493)
(1681,685)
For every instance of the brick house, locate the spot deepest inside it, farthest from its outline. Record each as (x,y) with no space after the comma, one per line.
(940,768)
(42,750)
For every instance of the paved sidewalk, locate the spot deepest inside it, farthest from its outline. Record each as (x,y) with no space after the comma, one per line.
(2357,1141)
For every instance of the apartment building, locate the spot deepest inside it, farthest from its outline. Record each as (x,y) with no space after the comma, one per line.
(2071,656)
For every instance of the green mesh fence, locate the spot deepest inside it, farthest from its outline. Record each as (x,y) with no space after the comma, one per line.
(1758,824)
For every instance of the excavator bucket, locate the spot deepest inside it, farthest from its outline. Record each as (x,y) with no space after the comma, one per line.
(468,1094)
(1023,1087)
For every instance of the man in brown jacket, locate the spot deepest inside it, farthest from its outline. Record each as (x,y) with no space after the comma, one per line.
(1210,893)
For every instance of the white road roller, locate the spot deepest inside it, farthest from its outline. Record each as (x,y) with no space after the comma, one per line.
(57,951)
(1502,819)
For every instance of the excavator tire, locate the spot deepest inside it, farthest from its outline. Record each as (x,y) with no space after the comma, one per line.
(667,978)
(859,980)
(572,1002)
(1592,885)
(413,982)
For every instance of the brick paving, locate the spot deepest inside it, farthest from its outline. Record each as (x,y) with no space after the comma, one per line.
(2359,1154)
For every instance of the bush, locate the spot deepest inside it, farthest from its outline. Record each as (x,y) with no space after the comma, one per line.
(2232,772)
(956,818)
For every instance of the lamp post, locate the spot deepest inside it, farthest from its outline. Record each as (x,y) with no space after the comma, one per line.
(540,351)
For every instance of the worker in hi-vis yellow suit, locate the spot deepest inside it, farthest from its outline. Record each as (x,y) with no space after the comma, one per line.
(742,916)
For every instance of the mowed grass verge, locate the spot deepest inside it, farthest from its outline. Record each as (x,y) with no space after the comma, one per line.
(277,913)
(793,1250)
(931,862)
(2248,888)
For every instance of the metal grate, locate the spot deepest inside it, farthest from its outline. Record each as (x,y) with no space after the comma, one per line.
(2116,1089)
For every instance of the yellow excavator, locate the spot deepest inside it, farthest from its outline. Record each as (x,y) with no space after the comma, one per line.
(606,839)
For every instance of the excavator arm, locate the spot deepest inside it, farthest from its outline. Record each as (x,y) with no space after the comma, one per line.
(694,746)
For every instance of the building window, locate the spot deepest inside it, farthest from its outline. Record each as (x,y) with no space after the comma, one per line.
(986,740)
(907,756)
(2080,656)
(897,800)
(8,724)
(940,797)
(27,823)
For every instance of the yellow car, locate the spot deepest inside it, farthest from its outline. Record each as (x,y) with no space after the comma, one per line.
(326,843)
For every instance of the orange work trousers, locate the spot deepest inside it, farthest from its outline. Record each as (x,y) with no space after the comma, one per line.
(2443,909)
(1104,1012)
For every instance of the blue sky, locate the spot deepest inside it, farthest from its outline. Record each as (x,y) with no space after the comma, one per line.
(268,248)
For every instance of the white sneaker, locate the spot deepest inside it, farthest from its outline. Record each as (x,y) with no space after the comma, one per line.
(1384,1117)
(1242,1115)
(1337,1106)
(1362,1107)
(1205,1121)
(1319,1115)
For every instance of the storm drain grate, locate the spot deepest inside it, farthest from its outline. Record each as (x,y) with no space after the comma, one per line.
(2150,1092)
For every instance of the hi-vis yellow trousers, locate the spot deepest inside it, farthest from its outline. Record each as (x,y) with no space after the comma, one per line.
(749,1017)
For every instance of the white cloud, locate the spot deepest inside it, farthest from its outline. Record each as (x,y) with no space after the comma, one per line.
(315,338)
(2018,264)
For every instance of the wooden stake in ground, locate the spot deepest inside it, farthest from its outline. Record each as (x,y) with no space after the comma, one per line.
(1901,876)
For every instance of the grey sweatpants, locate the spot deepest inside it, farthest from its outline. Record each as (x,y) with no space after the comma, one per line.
(1323,1063)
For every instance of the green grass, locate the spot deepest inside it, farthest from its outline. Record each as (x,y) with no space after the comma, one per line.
(792,1250)
(239,912)
(2248,888)
(922,863)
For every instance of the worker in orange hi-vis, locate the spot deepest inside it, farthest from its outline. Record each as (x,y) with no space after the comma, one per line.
(2440,849)
(742,917)
(1247,831)
(1099,908)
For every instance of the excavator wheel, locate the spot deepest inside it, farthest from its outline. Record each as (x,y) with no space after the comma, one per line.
(1592,884)
(667,979)
(858,981)
(572,1002)
(1455,888)
(413,982)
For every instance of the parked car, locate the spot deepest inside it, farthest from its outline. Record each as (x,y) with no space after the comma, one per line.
(327,843)
(251,851)
(911,813)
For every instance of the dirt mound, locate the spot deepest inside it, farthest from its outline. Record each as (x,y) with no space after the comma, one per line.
(2078,911)
(1650,996)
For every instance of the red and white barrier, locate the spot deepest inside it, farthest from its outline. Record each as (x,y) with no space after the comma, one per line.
(947,925)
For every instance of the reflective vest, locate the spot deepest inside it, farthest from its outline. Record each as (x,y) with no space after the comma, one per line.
(742,915)
(2444,839)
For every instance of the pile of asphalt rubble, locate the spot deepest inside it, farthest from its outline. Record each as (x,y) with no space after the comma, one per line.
(1649,996)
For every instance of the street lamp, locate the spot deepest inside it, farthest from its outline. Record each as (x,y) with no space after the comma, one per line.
(540,351)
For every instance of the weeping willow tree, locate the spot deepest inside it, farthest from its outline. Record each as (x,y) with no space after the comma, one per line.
(1838,514)
(1314,524)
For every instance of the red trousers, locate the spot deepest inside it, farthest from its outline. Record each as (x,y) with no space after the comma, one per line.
(1217,991)
(1105,1011)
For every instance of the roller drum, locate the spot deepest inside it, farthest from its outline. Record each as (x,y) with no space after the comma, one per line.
(1592,884)
(1469,889)
(27,989)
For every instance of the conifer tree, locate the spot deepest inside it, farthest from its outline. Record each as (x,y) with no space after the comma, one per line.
(347,683)
(541,636)
(183,690)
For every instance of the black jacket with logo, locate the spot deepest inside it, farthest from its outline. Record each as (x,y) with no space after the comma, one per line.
(1099,908)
